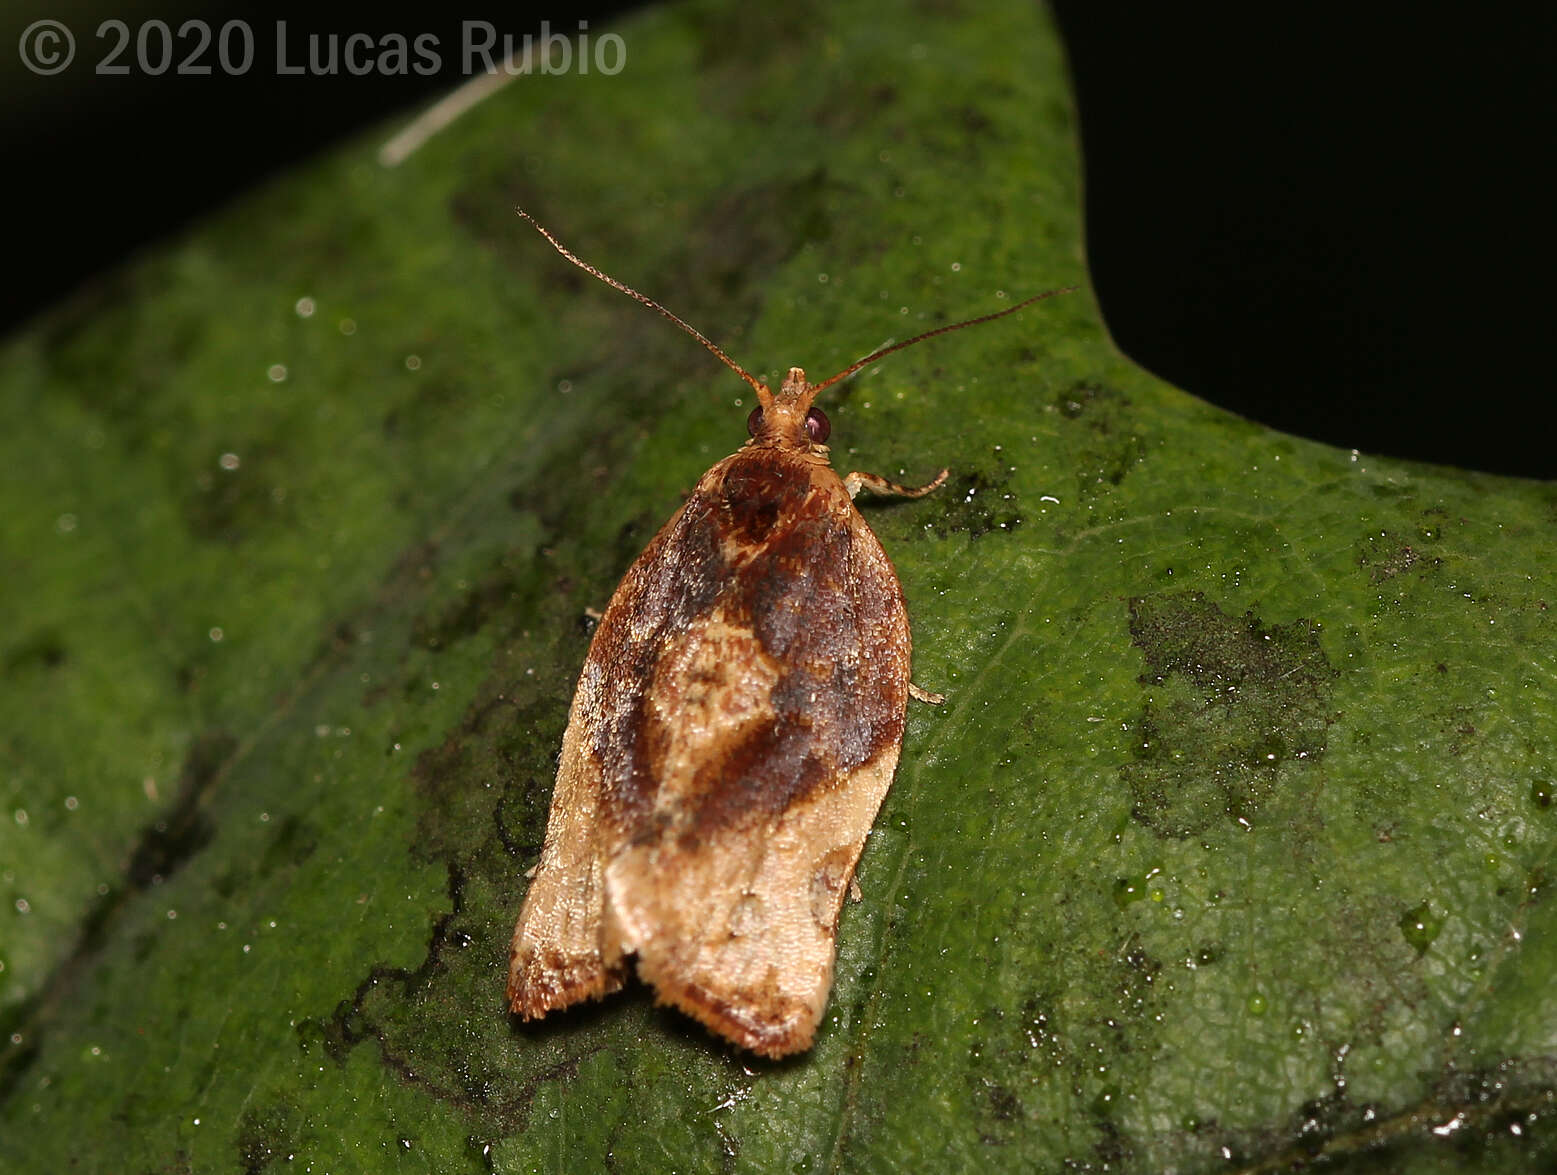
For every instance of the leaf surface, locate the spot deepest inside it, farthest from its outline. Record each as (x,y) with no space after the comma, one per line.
(1229,848)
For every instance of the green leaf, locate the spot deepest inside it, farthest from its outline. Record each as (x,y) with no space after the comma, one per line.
(1229,849)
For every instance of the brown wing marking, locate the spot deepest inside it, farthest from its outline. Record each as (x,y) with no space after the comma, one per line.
(740,933)
(730,901)
(560,953)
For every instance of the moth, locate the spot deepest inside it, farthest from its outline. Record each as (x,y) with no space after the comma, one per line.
(736,727)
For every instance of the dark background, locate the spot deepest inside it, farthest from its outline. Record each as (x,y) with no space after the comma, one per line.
(1333,222)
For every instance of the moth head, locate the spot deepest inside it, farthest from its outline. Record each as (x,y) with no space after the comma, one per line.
(787,419)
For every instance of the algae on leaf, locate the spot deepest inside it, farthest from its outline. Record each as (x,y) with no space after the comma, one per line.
(1229,849)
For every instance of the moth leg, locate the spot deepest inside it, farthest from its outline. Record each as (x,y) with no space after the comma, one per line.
(876,484)
(924,695)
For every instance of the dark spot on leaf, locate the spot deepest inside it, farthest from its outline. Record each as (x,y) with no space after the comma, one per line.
(1537,885)
(1484,1119)
(266,1136)
(1384,556)
(1104,448)
(228,882)
(1462,734)
(44,649)
(169,841)
(18,1056)
(974,504)
(292,843)
(1389,492)
(974,121)
(1003,1104)
(1316,1121)
(1234,710)
(1113,1150)
(223,505)
(142,946)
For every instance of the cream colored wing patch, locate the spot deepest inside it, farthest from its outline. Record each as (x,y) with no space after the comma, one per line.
(739,930)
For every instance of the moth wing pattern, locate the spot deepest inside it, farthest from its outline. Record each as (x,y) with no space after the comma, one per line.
(745,944)
(558,956)
(735,730)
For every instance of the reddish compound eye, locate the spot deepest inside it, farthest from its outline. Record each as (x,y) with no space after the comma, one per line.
(818,427)
(753,420)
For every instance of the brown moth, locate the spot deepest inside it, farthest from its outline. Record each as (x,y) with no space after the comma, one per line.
(735,729)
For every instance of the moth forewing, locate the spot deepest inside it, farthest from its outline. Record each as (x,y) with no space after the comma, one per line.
(735,730)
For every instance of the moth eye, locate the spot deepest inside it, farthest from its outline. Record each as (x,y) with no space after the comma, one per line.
(818,427)
(753,420)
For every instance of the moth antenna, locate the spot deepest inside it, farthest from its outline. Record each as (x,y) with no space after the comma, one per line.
(940,330)
(652,304)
